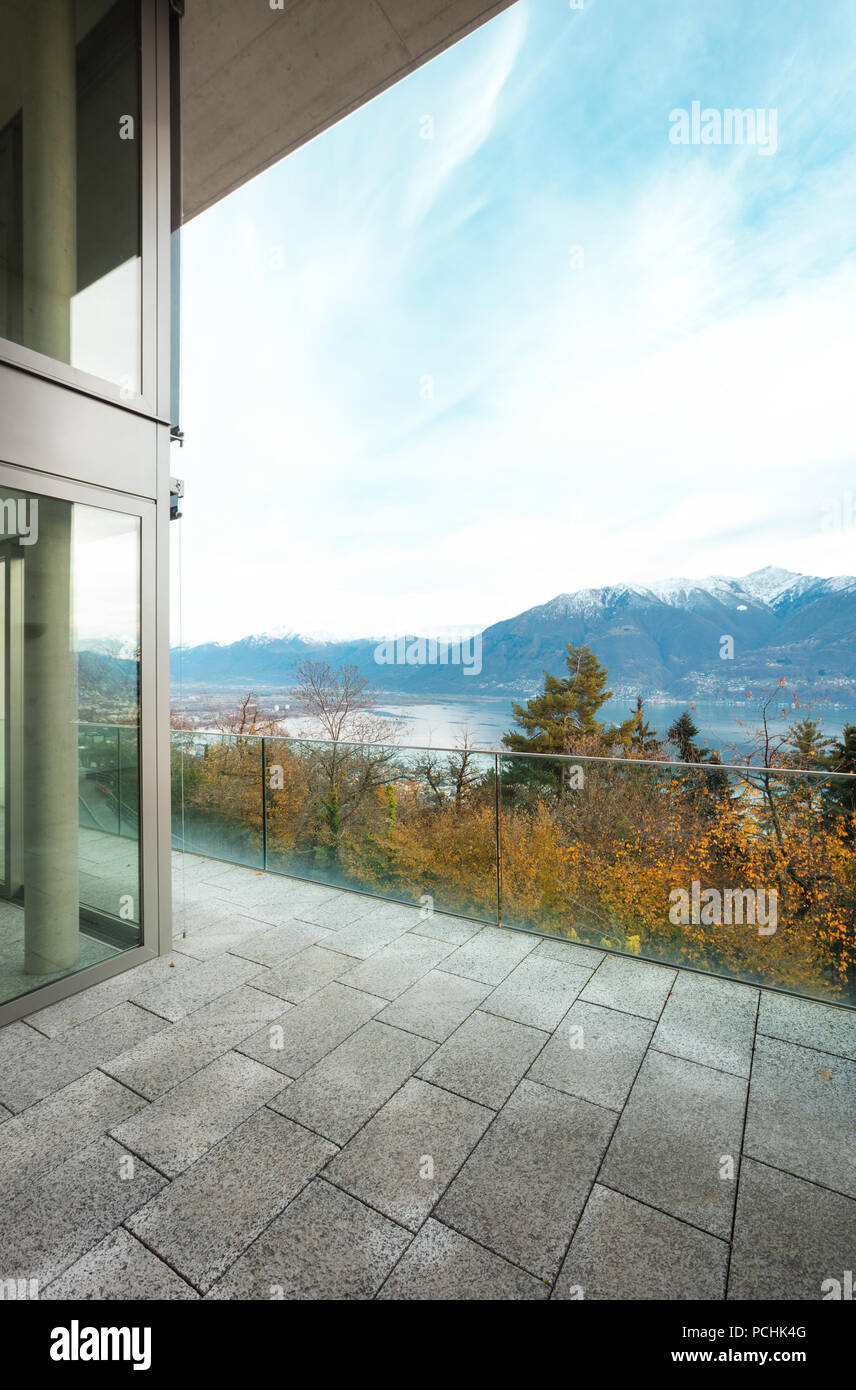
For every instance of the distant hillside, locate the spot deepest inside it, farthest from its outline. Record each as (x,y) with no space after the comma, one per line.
(660,639)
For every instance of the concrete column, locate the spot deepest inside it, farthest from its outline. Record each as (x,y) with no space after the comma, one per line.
(50,178)
(50,815)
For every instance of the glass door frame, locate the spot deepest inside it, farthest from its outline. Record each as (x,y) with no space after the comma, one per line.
(154,830)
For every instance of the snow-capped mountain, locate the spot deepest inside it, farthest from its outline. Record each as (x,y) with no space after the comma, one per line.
(677,638)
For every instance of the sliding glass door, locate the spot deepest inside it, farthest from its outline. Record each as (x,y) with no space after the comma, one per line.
(70,643)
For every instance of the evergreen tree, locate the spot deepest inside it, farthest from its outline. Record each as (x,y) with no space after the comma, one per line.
(811,749)
(842,758)
(566,710)
(643,738)
(683,734)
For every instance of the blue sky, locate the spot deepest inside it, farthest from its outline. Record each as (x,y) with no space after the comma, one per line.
(430,382)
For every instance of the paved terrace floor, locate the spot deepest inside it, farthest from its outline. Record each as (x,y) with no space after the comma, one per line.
(319,1095)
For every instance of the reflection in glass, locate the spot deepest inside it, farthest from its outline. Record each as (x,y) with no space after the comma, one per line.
(69,789)
(70,183)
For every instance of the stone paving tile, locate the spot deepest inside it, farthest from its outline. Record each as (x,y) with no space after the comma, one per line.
(303,975)
(188,992)
(341,911)
(162,1061)
(454,930)
(802,1113)
(790,1237)
(490,955)
(442,1264)
(623,1250)
(595,1054)
(634,986)
(523,1187)
(394,968)
(61,1215)
(212,942)
(97,999)
(571,951)
(345,1088)
(680,1122)
(435,1006)
(178,1128)
(119,1267)
(404,1158)
(709,1021)
(191,916)
(4,1114)
(484,1059)
(40,1067)
(271,945)
(539,991)
(310,1030)
(374,931)
(207,1217)
(325,1245)
(809,1024)
(51,1131)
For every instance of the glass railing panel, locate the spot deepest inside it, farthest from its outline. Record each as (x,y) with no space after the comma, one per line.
(746,874)
(414,825)
(217,796)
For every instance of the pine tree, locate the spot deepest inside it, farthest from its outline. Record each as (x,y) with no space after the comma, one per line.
(566,710)
(683,734)
(810,747)
(842,757)
(643,738)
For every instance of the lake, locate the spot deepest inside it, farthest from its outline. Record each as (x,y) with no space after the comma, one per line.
(443,725)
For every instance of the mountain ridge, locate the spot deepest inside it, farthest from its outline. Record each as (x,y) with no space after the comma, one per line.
(668,639)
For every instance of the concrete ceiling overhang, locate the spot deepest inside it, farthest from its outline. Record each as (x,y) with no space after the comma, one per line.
(257,82)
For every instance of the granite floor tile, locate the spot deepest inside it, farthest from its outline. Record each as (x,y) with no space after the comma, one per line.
(484,1059)
(374,931)
(162,1061)
(340,1092)
(441,1264)
(523,1187)
(539,991)
(490,955)
(394,968)
(59,1217)
(623,1250)
(325,1245)
(207,1217)
(595,1054)
(188,992)
(677,1144)
(44,1136)
(97,999)
(454,930)
(790,1238)
(571,951)
(48,1064)
(305,974)
(436,1005)
(296,1040)
(404,1158)
(709,1021)
(341,911)
(802,1113)
(272,945)
(178,1128)
(809,1024)
(119,1267)
(633,986)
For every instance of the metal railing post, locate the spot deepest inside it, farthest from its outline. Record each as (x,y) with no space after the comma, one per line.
(264,803)
(497,801)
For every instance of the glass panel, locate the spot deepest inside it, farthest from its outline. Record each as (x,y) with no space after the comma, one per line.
(70,666)
(217,796)
(404,823)
(749,875)
(70,183)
